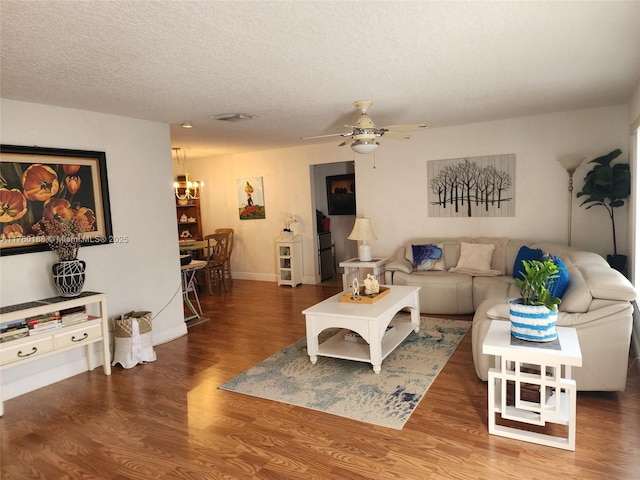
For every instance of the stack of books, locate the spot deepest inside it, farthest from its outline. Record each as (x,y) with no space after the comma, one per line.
(44,323)
(13,330)
(71,316)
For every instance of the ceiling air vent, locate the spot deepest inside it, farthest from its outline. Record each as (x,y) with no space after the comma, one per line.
(232,117)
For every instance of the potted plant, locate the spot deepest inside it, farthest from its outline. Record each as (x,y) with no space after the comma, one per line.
(289,220)
(608,185)
(533,316)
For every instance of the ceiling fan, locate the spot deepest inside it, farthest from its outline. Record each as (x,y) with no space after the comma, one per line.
(365,134)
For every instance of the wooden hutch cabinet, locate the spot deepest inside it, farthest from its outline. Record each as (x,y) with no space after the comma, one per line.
(188,218)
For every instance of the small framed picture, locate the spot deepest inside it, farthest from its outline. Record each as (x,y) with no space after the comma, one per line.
(341,194)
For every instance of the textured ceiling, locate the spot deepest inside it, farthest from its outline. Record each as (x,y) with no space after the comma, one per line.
(298,65)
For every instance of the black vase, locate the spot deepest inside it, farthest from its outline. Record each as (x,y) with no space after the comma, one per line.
(68,277)
(618,262)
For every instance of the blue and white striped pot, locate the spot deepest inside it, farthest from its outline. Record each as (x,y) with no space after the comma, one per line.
(532,322)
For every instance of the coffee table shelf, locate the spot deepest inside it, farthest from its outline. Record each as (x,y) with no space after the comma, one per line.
(338,347)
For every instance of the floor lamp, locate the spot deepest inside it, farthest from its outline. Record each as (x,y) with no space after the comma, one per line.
(570,164)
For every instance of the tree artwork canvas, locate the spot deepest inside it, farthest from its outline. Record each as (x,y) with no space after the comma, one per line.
(472,187)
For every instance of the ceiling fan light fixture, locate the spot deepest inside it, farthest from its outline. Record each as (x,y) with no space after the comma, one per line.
(364,146)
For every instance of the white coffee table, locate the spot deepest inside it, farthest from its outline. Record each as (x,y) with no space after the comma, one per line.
(369,320)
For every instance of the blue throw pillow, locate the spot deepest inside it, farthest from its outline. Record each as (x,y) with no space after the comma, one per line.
(525,253)
(427,257)
(559,285)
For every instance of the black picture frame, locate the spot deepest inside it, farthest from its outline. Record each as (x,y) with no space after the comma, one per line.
(341,194)
(77,176)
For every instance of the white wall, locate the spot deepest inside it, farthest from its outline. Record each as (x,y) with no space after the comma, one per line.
(634,109)
(141,274)
(394,193)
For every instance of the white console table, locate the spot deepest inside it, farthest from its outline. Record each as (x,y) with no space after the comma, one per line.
(26,349)
(545,368)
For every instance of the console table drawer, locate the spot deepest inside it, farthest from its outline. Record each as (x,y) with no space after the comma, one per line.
(75,336)
(24,350)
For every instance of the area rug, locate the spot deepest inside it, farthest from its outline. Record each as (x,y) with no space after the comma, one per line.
(351,389)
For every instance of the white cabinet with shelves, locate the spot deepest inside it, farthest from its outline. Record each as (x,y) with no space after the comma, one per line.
(26,349)
(289,261)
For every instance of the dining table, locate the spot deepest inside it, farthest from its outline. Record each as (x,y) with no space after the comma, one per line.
(196,248)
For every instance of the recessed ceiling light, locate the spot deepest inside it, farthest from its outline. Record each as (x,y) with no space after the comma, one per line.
(232,117)
(187,125)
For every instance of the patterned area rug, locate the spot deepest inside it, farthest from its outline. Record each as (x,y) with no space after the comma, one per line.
(351,389)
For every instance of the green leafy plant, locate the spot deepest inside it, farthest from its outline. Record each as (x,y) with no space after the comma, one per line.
(607,185)
(534,286)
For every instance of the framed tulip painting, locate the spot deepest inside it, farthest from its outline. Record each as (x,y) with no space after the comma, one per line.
(41,187)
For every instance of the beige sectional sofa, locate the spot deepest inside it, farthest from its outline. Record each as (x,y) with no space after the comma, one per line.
(597,301)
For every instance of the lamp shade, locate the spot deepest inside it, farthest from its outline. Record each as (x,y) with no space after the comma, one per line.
(364,146)
(571,162)
(362,230)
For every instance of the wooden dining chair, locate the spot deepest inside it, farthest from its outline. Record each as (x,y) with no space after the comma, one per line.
(216,257)
(227,268)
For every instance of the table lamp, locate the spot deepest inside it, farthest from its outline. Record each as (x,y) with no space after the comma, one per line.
(362,231)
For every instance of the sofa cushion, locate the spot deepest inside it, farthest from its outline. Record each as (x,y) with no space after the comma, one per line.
(440,292)
(475,259)
(500,286)
(528,254)
(577,297)
(427,257)
(498,260)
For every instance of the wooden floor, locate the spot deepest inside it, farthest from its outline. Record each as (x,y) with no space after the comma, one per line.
(167,419)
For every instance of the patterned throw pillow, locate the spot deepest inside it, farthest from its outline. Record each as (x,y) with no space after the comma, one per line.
(525,253)
(427,257)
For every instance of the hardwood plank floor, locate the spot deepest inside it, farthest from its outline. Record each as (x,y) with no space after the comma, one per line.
(167,419)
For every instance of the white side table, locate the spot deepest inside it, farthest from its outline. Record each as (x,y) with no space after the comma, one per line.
(353,269)
(513,375)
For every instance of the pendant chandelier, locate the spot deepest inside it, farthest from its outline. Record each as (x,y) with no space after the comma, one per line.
(192,190)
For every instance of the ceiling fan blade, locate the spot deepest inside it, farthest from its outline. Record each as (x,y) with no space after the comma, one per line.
(397,135)
(322,136)
(342,144)
(347,134)
(405,128)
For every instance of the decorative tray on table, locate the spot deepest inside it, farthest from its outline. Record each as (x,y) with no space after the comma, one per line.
(349,297)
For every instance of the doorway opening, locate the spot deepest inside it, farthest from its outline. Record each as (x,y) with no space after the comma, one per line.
(332,244)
